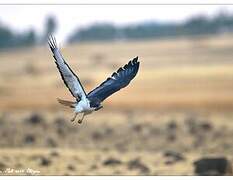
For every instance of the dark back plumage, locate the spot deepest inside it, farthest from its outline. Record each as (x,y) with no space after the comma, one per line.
(117,81)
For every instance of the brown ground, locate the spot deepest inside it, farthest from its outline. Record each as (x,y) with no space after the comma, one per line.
(180,103)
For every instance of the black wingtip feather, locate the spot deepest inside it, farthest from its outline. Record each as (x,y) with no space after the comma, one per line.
(120,69)
(121,79)
(114,74)
(131,63)
(135,60)
(52,43)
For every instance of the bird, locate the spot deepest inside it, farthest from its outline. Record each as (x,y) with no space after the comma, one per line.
(87,103)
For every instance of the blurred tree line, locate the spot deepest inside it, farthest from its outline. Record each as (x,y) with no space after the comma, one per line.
(11,39)
(197,25)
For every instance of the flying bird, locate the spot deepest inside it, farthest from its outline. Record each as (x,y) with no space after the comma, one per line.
(87,103)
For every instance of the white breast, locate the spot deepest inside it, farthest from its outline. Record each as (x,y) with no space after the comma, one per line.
(83,106)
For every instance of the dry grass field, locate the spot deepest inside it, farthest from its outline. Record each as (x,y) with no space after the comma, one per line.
(177,110)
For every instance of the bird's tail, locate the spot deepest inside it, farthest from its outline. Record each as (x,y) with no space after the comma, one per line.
(66,103)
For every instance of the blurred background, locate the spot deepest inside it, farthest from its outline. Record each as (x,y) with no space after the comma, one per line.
(175,118)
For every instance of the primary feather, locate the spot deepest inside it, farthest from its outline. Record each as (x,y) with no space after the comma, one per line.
(117,81)
(70,79)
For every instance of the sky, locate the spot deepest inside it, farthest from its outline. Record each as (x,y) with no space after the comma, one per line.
(72,17)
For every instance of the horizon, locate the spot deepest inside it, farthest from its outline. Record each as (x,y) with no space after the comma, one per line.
(70,18)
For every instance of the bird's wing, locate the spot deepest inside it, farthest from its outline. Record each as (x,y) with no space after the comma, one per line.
(70,79)
(118,80)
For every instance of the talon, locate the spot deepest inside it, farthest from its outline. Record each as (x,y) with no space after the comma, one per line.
(80,120)
(72,120)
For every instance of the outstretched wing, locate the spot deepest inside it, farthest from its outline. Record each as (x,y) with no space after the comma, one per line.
(118,80)
(70,79)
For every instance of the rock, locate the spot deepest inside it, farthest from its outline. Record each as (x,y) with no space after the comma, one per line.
(173,157)
(196,126)
(29,139)
(70,167)
(136,164)
(172,125)
(54,154)
(213,166)
(35,119)
(2,166)
(137,128)
(45,161)
(169,162)
(97,135)
(111,162)
(206,126)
